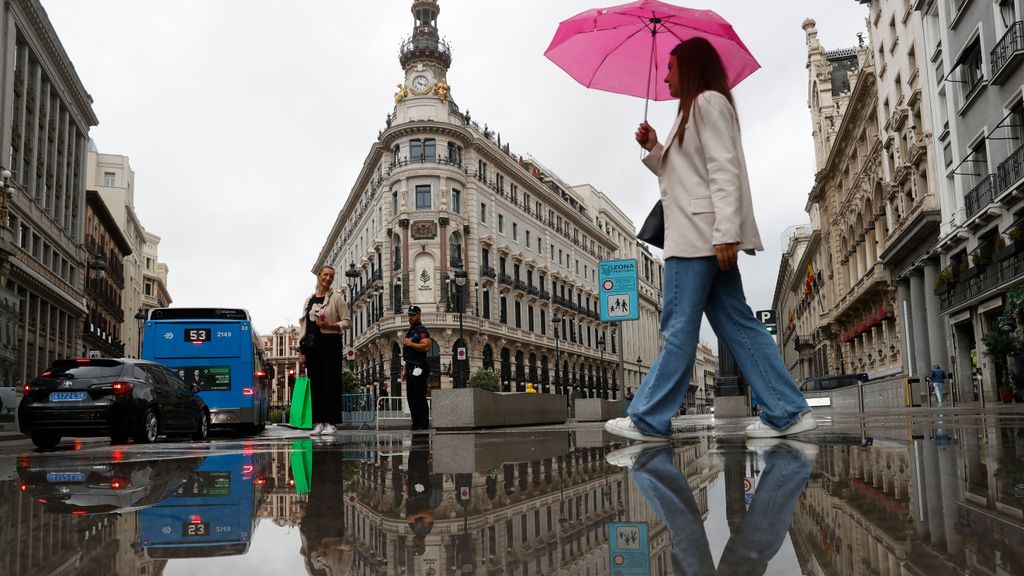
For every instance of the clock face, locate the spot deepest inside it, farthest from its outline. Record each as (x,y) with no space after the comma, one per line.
(420,83)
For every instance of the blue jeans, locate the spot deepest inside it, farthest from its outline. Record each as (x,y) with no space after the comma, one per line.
(693,287)
(764,526)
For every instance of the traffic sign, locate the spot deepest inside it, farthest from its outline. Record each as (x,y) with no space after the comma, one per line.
(619,299)
(748,485)
(770,320)
(350,354)
(460,353)
(628,549)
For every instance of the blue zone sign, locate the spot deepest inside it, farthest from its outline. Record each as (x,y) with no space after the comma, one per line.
(618,284)
(628,549)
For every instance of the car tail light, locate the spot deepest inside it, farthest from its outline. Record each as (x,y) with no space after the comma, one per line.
(247,392)
(78,512)
(83,360)
(42,500)
(261,481)
(47,373)
(26,389)
(118,483)
(117,455)
(23,487)
(260,373)
(122,387)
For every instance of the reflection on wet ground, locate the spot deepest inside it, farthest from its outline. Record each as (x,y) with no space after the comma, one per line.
(886,496)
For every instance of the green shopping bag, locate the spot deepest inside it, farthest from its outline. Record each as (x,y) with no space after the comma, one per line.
(302,406)
(302,464)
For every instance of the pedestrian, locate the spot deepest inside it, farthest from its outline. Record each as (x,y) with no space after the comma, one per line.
(709,219)
(325,315)
(326,545)
(417,370)
(937,377)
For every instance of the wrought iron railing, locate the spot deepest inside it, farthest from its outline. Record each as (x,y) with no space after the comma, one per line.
(1011,170)
(996,274)
(1009,45)
(981,195)
(487,271)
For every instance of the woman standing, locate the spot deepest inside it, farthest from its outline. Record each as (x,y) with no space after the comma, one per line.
(325,315)
(709,219)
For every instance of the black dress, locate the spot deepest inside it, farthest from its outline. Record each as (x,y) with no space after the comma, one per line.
(324,367)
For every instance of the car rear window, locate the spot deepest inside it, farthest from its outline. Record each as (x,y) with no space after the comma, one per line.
(85,368)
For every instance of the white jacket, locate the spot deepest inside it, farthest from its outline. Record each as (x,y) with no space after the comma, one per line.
(705,192)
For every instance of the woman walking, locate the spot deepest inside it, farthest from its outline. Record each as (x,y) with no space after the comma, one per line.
(325,315)
(709,219)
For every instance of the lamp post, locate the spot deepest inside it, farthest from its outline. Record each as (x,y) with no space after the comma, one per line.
(556,321)
(141,317)
(460,286)
(352,274)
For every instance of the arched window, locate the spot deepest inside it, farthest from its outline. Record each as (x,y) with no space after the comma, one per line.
(455,250)
(488,357)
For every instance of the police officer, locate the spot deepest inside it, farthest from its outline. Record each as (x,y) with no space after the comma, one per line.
(416,371)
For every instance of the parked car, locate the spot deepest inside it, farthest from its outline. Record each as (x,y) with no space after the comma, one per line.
(97,485)
(115,397)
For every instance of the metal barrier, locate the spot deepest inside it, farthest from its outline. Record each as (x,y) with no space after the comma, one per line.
(358,409)
(393,409)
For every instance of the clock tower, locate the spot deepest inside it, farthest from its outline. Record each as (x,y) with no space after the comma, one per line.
(425,57)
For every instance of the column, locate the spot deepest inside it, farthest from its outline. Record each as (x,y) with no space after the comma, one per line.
(919,325)
(443,237)
(936,322)
(905,315)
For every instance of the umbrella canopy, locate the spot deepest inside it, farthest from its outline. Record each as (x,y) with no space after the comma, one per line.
(625,49)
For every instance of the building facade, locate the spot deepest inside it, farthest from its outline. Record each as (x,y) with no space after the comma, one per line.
(105,281)
(499,253)
(796,303)
(281,351)
(856,330)
(45,117)
(154,275)
(112,177)
(974,81)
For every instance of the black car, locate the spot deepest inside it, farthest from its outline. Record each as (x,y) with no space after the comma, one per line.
(116,397)
(100,486)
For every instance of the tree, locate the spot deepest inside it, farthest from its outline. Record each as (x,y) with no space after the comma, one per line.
(349,382)
(485,379)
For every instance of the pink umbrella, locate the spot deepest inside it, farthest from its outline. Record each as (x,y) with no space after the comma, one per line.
(625,49)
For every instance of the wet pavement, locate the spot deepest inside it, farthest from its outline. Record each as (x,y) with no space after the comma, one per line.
(929,493)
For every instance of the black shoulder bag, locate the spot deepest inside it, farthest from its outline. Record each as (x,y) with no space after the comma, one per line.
(653,230)
(308,341)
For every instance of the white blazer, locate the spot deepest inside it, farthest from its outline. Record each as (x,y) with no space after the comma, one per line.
(705,192)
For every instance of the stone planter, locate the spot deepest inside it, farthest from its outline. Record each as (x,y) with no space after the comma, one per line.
(470,408)
(972,272)
(599,410)
(1008,251)
(943,288)
(461,453)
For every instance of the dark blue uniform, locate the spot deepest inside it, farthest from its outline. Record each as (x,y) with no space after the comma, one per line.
(416,385)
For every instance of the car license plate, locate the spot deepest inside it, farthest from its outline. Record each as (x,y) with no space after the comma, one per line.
(197,529)
(68,396)
(58,477)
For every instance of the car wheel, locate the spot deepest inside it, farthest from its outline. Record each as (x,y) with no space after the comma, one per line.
(204,428)
(148,429)
(45,439)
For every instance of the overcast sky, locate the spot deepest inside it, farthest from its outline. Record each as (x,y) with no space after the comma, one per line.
(247,121)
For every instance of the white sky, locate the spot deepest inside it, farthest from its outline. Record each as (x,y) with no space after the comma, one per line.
(247,121)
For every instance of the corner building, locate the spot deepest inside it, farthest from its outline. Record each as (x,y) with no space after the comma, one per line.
(439,193)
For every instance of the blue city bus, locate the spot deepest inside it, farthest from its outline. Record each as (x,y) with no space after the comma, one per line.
(219,350)
(213,513)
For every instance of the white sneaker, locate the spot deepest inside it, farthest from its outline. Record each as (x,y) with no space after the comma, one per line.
(761,430)
(809,452)
(624,427)
(317,430)
(329,430)
(626,457)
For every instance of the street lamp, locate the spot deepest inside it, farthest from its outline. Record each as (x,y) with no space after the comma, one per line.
(5,197)
(141,317)
(556,321)
(460,283)
(352,274)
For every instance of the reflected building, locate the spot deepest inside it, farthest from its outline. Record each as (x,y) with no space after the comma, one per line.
(950,501)
(545,515)
(283,505)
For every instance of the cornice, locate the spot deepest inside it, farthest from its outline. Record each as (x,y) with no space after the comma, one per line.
(32,13)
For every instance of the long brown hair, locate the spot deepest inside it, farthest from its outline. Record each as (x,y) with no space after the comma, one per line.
(698,68)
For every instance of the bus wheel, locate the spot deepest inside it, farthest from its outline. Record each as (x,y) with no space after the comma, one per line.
(45,439)
(204,428)
(149,429)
